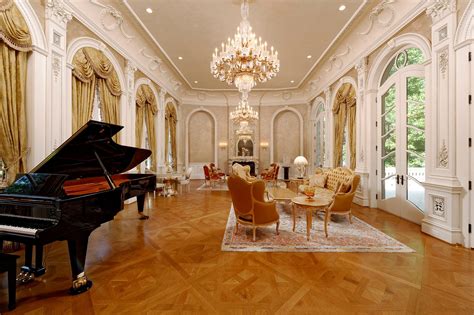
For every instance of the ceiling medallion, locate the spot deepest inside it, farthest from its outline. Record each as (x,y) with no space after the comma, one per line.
(244,61)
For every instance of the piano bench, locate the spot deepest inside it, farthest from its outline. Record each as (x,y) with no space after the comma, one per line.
(8,264)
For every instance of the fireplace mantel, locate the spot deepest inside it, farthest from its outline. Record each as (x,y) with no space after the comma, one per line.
(244,160)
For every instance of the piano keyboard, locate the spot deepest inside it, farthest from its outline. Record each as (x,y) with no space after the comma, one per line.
(17,229)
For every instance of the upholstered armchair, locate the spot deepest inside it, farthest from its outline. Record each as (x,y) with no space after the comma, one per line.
(209,177)
(250,207)
(271,174)
(342,203)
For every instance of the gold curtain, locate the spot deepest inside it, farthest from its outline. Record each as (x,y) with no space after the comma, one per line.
(344,110)
(91,66)
(83,90)
(15,42)
(146,108)
(170,130)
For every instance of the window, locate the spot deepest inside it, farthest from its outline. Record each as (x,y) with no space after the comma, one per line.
(96,110)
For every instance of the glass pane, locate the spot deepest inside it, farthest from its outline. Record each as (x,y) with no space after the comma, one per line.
(416,102)
(388,110)
(416,166)
(388,165)
(344,150)
(391,69)
(416,193)
(318,143)
(416,142)
(415,56)
(389,187)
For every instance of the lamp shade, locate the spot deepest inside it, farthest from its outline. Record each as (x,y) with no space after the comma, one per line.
(300,160)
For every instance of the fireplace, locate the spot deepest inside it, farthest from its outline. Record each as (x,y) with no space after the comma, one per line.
(253,163)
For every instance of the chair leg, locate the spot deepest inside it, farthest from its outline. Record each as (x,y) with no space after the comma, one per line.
(236,228)
(350,217)
(278,225)
(326,219)
(254,233)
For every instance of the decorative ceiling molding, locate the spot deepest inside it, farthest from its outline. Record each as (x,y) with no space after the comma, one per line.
(154,62)
(374,15)
(336,61)
(110,11)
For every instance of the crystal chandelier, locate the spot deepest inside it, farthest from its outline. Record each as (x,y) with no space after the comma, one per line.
(244,60)
(243,112)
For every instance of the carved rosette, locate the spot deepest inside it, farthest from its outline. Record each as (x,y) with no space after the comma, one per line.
(439,206)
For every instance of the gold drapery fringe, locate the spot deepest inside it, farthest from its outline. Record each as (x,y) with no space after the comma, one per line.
(344,111)
(146,108)
(13,28)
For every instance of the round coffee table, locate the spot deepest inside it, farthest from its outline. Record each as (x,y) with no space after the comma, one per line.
(316,203)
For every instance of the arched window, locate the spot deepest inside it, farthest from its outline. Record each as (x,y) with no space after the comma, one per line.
(402,128)
(319,135)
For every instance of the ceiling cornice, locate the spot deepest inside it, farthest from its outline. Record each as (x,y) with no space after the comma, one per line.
(298,86)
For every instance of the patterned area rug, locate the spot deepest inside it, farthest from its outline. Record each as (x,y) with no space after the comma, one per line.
(217,187)
(343,236)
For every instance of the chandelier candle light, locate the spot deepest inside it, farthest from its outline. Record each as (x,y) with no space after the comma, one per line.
(243,61)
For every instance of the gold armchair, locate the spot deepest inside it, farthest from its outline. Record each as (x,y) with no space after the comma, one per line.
(249,205)
(342,203)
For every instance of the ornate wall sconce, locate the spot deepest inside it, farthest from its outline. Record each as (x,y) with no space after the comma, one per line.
(264,145)
(222,145)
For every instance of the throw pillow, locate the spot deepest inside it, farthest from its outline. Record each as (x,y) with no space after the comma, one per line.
(318,180)
(345,187)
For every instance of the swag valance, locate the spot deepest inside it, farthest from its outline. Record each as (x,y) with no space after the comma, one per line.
(13,28)
(146,98)
(89,62)
(345,97)
(170,113)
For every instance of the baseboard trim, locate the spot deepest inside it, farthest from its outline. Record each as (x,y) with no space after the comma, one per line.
(441,232)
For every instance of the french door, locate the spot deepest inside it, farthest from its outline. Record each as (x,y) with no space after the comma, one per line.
(401,144)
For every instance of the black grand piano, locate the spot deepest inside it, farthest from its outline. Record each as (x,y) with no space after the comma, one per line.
(71,193)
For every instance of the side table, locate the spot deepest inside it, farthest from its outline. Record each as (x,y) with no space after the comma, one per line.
(318,204)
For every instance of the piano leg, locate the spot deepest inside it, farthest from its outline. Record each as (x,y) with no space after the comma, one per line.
(77,257)
(27,271)
(141,206)
(39,268)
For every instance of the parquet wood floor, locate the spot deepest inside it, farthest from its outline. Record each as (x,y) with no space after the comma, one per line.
(173,264)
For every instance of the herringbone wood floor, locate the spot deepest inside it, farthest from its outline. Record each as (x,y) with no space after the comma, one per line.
(172,263)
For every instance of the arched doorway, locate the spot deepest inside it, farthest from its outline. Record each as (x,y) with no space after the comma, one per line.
(401,135)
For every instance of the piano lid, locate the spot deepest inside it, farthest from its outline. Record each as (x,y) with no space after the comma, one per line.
(76,157)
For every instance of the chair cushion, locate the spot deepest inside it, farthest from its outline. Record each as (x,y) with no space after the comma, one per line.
(318,180)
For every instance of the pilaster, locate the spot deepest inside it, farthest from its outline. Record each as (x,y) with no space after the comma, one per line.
(129,115)
(442,188)
(363,122)
(161,137)
(57,18)
(329,134)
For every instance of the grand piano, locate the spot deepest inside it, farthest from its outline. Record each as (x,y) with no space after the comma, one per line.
(72,192)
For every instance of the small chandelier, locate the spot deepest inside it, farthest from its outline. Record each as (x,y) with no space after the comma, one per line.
(244,60)
(243,112)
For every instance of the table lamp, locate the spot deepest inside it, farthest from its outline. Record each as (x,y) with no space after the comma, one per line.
(300,162)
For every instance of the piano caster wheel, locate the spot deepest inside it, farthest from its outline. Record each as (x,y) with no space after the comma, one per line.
(25,276)
(39,272)
(143,217)
(80,285)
